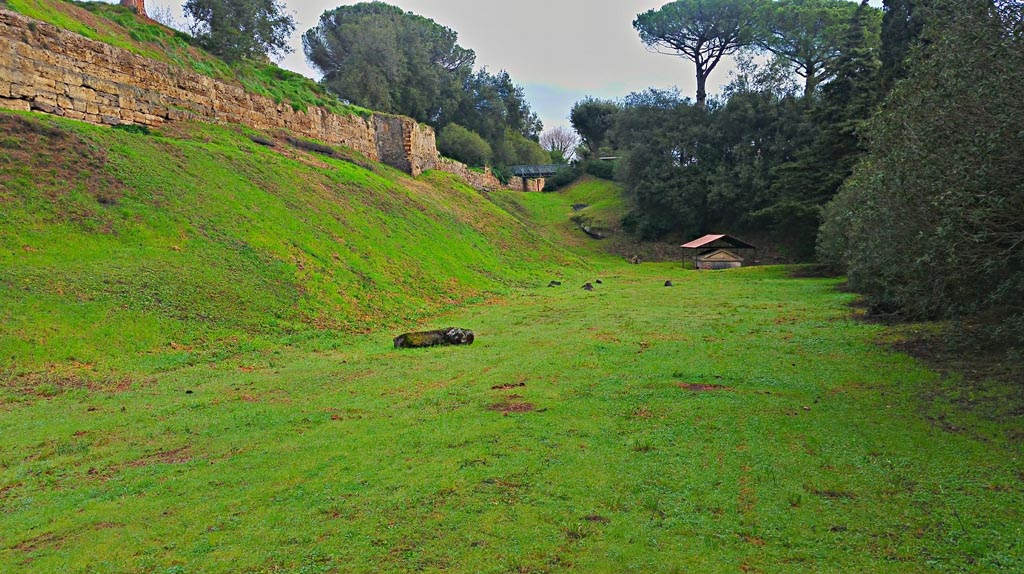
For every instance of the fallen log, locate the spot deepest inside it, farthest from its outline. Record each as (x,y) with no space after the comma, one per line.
(448,336)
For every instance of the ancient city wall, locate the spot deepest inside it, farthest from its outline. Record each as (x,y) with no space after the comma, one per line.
(48,69)
(51,70)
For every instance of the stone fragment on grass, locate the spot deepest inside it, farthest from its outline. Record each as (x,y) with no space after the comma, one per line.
(447,336)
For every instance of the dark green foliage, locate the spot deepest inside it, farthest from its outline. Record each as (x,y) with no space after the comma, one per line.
(805,35)
(381,57)
(521,150)
(133,129)
(932,222)
(818,169)
(703,31)
(562,178)
(384,58)
(592,119)
(664,167)
(600,168)
(493,106)
(458,143)
(237,29)
(901,28)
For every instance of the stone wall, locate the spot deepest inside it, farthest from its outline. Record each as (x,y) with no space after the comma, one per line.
(483,181)
(51,70)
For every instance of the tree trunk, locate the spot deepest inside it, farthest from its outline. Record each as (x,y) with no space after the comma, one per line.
(810,82)
(139,6)
(702,94)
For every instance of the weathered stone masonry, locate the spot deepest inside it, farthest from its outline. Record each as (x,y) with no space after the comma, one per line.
(51,70)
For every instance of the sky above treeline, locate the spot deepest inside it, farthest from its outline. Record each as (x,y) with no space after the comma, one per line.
(560,51)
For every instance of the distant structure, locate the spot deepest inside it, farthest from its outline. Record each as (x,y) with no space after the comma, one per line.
(718,252)
(139,6)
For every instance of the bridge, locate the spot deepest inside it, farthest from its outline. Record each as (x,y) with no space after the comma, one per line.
(536,171)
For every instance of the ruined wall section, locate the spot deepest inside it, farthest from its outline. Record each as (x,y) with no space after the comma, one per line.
(51,70)
(48,69)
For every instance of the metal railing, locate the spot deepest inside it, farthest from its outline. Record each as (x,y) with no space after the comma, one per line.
(534,171)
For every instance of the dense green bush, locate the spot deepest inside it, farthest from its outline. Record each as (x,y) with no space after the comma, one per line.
(524,151)
(563,177)
(600,168)
(460,144)
(932,222)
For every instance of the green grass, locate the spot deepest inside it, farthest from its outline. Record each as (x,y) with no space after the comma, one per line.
(122,250)
(815,453)
(553,213)
(196,375)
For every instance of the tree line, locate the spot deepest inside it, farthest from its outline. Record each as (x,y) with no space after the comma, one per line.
(381,57)
(888,144)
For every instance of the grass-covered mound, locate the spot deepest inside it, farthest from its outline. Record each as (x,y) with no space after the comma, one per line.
(121,249)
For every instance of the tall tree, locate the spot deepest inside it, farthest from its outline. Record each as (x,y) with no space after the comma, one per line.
(806,34)
(235,29)
(703,31)
(381,57)
(901,28)
(592,119)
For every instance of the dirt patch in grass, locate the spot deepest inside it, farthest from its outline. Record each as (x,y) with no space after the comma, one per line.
(177,456)
(597,518)
(46,540)
(979,376)
(831,493)
(703,387)
(511,406)
(57,162)
(54,383)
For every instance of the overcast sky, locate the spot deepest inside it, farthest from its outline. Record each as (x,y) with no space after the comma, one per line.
(559,50)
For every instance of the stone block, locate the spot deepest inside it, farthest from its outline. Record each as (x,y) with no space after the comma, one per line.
(13,104)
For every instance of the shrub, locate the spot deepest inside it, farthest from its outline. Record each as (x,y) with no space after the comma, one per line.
(460,144)
(601,169)
(562,178)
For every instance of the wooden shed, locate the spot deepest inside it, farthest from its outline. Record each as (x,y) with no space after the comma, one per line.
(719,252)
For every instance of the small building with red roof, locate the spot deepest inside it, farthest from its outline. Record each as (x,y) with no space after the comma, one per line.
(719,252)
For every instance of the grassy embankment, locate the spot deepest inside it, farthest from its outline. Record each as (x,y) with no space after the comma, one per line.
(121,251)
(739,421)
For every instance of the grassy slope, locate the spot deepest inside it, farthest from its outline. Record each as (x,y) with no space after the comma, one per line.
(552,213)
(132,251)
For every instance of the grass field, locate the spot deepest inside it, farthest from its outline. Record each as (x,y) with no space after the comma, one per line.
(739,421)
(197,376)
